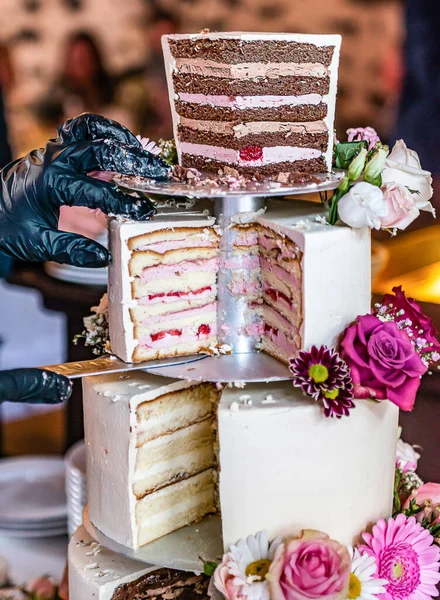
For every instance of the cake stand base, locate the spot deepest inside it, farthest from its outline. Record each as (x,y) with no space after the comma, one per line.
(229,368)
(183,549)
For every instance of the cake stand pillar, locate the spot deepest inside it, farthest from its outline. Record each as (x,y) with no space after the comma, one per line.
(233,310)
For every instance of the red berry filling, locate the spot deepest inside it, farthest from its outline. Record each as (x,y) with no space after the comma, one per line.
(275,295)
(179,294)
(161,334)
(203,330)
(251,153)
(269,329)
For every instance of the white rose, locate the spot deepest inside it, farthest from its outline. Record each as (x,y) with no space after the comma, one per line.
(407,457)
(362,206)
(403,167)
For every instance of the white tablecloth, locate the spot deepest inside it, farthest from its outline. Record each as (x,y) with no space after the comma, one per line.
(33,558)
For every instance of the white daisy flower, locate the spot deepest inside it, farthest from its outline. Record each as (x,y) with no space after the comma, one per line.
(363,585)
(147,145)
(246,565)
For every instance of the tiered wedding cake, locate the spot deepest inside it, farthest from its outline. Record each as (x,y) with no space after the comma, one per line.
(264,457)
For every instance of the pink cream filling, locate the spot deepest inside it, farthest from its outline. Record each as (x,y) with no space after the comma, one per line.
(162,247)
(183,314)
(242,262)
(246,239)
(209,265)
(267,265)
(278,338)
(173,340)
(269,244)
(195,295)
(250,101)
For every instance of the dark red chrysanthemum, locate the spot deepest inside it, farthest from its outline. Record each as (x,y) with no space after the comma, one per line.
(323,375)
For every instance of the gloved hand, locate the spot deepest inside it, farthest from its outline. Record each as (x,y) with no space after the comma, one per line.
(33,188)
(37,386)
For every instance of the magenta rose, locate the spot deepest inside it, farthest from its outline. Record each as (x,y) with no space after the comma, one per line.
(413,312)
(382,361)
(311,566)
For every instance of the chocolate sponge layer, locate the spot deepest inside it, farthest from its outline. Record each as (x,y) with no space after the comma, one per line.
(314,165)
(165,584)
(239,51)
(300,113)
(277,86)
(300,140)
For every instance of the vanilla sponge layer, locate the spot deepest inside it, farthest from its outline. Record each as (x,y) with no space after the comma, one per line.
(175,506)
(175,410)
(144,311)
(141,353)
(188,324)
(188,282)
(173,457)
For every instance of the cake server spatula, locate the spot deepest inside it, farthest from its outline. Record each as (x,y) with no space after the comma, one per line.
(111,364)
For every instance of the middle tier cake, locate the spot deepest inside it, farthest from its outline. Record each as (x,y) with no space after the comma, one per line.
(163,453)
(298,281)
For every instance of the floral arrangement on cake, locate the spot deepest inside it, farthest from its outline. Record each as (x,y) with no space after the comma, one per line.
(40,588)
(381,190)
(398,558)
(383,357)
(96,332)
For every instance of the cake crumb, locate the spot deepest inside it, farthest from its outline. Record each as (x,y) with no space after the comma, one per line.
(269,399)
(144,386)
(239,384)
(91,566)
(234,407)
(246,399)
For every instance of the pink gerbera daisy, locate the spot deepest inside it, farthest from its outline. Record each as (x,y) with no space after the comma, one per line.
(406,557)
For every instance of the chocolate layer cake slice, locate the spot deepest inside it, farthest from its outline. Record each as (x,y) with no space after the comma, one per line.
(256,102)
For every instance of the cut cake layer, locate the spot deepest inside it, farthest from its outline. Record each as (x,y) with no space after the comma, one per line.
(163,269)
(237,100)
(150,444)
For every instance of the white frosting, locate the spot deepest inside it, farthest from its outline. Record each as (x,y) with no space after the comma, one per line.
(122,340)
(336,265)
(248,36)
(110,435)
(240,102)
(95,572)
(271,154)
(285,467)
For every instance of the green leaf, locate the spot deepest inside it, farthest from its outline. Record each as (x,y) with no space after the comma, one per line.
(412,191)
(374,180)
(345,152)
(209,567)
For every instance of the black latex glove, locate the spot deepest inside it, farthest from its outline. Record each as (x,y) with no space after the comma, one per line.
(33,188)
(34,385)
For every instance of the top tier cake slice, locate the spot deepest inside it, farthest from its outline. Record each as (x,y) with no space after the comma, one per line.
(257,102)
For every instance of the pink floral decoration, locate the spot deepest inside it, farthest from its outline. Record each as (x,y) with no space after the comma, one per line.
(42,588)
(224,582)
(405,557)
(408,314)
(311,566)
(383,361)
(429,494)
(363,133)
(148,145)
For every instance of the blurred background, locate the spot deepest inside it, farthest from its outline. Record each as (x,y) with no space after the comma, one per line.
(61,57)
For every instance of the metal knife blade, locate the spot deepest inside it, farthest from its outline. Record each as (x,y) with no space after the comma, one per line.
(111,364)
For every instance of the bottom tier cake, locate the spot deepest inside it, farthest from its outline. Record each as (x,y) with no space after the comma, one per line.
(99,574)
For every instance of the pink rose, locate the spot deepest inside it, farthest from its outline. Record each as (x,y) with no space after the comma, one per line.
(43,588)
(427,491)
(401,206)
(382,361)
(308,567)
(413,312)
(224,582)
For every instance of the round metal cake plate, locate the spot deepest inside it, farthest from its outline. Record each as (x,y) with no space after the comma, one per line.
(228,368)
(180,549)
(266,188)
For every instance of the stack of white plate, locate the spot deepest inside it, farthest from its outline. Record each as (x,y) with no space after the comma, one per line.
(32,497)
(76,485)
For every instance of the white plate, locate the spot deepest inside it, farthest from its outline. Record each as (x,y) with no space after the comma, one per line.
(76,274)
(40,533)
(32,489)
(58,524)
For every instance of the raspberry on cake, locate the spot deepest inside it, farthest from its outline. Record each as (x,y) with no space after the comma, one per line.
(162,288)
(257,102)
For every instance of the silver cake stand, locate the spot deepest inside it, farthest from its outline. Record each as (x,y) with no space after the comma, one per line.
(183,549)
(230,205)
